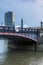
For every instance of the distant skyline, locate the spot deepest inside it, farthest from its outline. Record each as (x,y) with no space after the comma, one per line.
(30,10)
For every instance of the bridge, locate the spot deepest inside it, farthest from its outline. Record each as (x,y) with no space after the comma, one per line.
(21,37)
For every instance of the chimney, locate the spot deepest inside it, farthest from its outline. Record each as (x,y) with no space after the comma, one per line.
(41,25)
(21,24)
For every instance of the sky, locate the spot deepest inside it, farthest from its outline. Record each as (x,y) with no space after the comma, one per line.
(30,10)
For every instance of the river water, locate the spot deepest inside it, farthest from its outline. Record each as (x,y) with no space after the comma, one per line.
(18,57)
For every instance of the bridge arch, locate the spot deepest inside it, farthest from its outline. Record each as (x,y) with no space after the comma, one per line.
(19,40)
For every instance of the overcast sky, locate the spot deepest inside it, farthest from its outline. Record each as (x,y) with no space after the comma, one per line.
(30,10)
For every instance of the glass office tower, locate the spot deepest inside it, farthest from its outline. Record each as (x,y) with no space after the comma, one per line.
(9,19)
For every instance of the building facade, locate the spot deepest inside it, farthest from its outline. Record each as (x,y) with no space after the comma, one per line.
(9,19)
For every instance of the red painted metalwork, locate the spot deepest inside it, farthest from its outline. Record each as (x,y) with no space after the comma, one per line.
(16,34)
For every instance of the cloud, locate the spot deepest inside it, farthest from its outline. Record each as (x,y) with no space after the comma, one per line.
(41,6)
(31,1)
(25,26)
(25,1)
(29,10)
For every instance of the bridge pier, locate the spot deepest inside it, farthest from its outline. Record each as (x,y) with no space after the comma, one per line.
(35,46)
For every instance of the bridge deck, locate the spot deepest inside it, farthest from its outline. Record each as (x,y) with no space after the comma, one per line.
(18,35)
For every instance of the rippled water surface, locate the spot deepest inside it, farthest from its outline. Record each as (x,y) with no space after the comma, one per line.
(18,57)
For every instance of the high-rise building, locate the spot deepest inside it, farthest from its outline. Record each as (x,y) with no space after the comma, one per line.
(9,19)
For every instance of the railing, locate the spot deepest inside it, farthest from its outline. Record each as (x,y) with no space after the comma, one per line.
(28,32)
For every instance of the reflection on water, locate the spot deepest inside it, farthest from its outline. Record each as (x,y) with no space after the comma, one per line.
(3,50)
(18,57)
(3,45)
